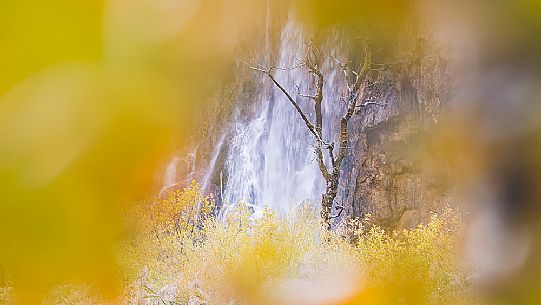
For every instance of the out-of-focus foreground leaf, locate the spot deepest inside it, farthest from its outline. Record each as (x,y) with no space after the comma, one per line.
(91,96)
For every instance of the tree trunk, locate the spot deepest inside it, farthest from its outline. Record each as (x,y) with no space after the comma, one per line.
(327,201)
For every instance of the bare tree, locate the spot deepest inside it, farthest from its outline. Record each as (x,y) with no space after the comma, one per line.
(356,80)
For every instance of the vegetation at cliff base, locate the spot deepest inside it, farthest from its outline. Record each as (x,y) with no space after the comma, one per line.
(239,259)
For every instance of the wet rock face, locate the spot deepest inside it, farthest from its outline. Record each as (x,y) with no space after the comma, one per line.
(379,178)
(389,186)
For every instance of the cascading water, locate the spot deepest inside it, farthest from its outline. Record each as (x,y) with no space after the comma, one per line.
(271,160)
(212,164)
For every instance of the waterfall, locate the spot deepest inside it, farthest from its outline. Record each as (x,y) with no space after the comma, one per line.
(212,164)
(271,160)
(170,176)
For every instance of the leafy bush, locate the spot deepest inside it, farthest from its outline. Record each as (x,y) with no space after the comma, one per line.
(420,265)
(292,259)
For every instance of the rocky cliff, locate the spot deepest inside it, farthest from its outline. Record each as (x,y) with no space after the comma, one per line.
(381,177)
(412,81)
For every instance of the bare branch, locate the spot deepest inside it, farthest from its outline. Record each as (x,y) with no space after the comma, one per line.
(300,65)
(343,66)
(313,97)
(315,130)
(259,69)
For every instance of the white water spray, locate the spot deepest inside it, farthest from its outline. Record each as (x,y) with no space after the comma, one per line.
(271,160)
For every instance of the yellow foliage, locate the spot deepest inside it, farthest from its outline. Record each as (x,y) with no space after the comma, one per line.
(293,259)
(420,265)
(182,211)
